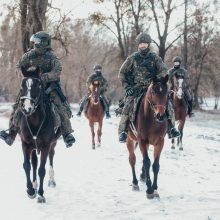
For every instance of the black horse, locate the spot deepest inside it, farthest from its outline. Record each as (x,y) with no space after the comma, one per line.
(36,131)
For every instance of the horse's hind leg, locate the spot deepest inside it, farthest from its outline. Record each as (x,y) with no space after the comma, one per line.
(99,133)
(34,166)
(132,161)
(27,168)
(91,124)
(41,173)
(51,182)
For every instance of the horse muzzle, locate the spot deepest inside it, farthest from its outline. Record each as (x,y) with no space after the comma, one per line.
(160,118)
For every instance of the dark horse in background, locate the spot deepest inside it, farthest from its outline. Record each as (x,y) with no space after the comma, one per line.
(180,108)
(95,112)
(36,131)
(151,128)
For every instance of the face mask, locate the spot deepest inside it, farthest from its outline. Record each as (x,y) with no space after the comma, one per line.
(144,51)
(176,64)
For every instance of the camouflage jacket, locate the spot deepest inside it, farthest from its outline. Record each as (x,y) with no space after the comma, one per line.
(178,73)
(97,77)
(137,68)
(48,63)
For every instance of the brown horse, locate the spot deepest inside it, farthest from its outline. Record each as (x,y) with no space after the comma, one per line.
(150,128)
(181,109)
(95,112)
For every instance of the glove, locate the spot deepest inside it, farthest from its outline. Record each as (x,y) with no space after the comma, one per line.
(44,77)
(129,91)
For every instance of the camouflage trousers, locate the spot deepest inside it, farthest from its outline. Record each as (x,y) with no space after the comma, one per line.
(61,107)
(128,109)
(85,100)
(188,94)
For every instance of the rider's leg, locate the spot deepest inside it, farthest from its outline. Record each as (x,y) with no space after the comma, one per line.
(106,106)
(124,122)
(66,127)
(82,104)
(172,131)
(190,102)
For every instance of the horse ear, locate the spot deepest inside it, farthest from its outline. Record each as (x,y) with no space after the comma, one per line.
(166,78)
(24,71)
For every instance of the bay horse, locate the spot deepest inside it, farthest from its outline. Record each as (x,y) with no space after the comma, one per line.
(37,133)
(180,108)
(151,128)
(95,112)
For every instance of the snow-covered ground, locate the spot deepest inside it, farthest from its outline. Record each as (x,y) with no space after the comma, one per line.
(96,184)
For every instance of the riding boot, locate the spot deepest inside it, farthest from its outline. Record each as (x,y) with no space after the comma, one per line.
(10,136)
(190,113)
(123,128)
(69,139)
(107,115)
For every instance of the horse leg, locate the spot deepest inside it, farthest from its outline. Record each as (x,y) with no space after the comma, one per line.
(27,168)
(132,161)
(173,143)
(143,174)
(34,162)
(93,134)
(156,166)
(51,182)
(144,145)
(180,140)
(41,173)
(99,133)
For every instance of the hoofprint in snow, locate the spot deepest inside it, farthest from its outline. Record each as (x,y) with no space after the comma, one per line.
(96,184)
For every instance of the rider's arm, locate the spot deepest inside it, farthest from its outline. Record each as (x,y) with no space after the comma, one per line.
(125,72)
(23,62)
(186,77)
(54,74)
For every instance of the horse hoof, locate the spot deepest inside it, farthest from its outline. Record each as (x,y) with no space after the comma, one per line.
(99,145)
(150,196)
(31,193)
(41,199)
(52,183)
(180,148)
(156,194)
(135,187)
(142,178)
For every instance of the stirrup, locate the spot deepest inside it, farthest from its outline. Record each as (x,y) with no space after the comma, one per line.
(173,133)
(6,137)
(123,137)
(69,140)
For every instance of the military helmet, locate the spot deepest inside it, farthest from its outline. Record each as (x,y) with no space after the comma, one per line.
(177,59)
(41,39)
(143,38)
(97,67)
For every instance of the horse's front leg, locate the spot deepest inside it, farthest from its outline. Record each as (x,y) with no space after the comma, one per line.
(34,162)
(132,161)
(27,168)
(180,139)
(51,182)
(99,133)
(91,124)
(41,173)
(144,145)
(173,144)
(156,166)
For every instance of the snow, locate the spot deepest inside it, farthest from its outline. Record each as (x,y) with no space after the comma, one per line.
(96,184)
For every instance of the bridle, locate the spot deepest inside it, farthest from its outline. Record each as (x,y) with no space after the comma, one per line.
(154,106)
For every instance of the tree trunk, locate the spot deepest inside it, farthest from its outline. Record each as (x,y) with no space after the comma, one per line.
(185,34)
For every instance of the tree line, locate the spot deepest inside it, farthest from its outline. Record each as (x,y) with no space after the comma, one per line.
(181,27)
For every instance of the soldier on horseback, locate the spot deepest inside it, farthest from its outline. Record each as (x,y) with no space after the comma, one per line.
(96,76)
(136,74)
(179,72)
(43,57)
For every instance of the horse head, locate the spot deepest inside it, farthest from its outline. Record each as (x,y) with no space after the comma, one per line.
(95,91)
(31,90)
(157,97)
(179,87)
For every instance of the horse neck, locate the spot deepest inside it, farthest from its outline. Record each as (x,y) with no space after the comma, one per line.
(177,101)
(148,112)
(36,118)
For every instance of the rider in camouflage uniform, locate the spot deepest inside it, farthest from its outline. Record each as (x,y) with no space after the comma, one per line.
(135,75)
(42,56)
(96,76)
(179,72)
